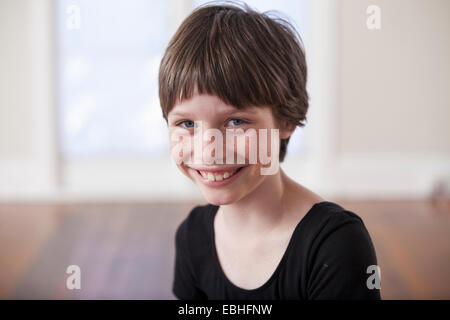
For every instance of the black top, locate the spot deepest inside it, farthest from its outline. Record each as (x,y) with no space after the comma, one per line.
(327,258)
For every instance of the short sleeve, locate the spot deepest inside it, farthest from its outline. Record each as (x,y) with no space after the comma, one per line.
(343,253)
(184,284)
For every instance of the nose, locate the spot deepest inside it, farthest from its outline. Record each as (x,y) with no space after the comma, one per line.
(212,142)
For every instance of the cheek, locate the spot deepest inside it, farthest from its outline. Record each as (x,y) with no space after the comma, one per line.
(180,145)
(257,146)
(268,145)
(245,147)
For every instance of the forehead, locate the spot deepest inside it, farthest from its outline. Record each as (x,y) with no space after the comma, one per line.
(206,104)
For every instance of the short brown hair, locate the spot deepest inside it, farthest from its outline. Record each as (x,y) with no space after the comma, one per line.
(240,55)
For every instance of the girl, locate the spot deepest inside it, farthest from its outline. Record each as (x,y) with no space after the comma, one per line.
(261,236)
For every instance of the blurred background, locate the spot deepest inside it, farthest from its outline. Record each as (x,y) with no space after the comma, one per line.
(85,173)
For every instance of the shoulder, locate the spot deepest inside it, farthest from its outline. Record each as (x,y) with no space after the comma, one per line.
(330,215)
(339,232)
(340,252)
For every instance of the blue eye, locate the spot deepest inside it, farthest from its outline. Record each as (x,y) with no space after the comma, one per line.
(237,122)
(187,124)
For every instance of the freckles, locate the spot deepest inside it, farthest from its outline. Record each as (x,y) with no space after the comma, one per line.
(180,147)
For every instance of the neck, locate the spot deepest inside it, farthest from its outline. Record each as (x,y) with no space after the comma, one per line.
(260,211)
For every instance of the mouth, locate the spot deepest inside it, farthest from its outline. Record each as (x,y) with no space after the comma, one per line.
(218,177)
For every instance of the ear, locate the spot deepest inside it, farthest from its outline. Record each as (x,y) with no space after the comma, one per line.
(286,129)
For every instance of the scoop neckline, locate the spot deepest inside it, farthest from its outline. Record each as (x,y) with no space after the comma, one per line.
(280,265)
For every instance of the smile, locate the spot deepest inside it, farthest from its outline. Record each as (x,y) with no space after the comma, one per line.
(216,177)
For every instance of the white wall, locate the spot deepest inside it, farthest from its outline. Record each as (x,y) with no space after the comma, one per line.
(395,82)
(394,98)
(27,148)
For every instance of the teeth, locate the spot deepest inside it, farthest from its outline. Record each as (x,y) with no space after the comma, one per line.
(216,177)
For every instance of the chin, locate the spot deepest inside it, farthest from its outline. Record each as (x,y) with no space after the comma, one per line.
(219,197)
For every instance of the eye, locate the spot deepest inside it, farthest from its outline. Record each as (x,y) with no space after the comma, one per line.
(188,124)
(236,122)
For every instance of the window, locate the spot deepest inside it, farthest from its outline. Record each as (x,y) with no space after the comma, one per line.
(109,55)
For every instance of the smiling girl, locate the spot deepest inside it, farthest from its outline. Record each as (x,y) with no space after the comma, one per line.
(260,236)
